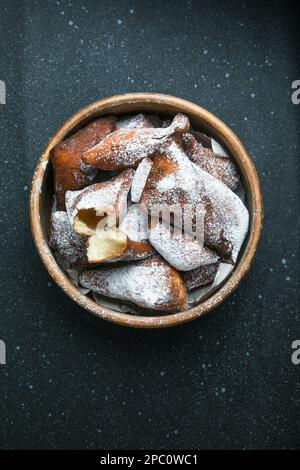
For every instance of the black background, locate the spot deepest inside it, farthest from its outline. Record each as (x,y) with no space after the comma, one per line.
(224,381)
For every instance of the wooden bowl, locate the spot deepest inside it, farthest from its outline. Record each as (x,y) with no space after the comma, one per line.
(153,103)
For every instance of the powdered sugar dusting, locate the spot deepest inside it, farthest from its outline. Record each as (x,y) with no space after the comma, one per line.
(103,197)
(134,122)
(140,178)
(146,283)
(168,182)
(135,224)
(90,171)
(65,241)
(182,251)
(226,217)
(125,148)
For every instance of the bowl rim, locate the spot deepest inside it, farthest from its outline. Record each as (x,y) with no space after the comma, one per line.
(249,249)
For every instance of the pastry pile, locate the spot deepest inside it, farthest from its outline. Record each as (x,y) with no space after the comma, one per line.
(145,210)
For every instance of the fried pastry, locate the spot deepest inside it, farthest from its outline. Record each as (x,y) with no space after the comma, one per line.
(99,213)
(134,226)
(140,178)
(95,212)
(134,122)
(174,179)
(201,276)
(150,283)
(184,218)
(221,168)
(110,245)
(65,241)
(70,172)
(90,205)
(126,148)
(203,139)
(182,250)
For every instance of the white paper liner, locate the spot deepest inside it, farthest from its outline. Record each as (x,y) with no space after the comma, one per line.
(113,304)
(74,275)
(195,295)
(219,149)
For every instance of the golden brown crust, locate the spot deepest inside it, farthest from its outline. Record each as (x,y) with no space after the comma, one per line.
(70,173)
(126,148)
(162,167)
(138,250)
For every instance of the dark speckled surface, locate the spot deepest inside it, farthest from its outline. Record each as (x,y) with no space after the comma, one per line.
(225,381)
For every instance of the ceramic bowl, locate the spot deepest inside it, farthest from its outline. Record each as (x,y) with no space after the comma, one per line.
(167,106)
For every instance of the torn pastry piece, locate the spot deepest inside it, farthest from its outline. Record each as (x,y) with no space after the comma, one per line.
(126,242)
(70,172)
(134,122)
(110,245)
(99,213)
(126,148)
(105,245)
(135,224)
(96,211)
(182,250)
(221,168)
(174,179)
(135,227)
(65,241)
(150,283)
(140,178)
(201,276)
(90,205)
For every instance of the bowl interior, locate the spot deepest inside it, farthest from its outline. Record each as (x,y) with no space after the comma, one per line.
(165,107)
